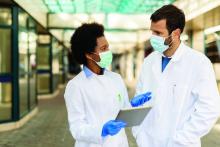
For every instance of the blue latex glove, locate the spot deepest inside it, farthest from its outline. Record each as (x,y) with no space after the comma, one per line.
(112,127)
(140,99)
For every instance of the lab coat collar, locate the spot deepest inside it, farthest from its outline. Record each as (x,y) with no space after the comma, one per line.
(88,72)
(157,65)
(177,55)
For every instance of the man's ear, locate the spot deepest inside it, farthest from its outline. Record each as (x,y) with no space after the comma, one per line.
(177,33)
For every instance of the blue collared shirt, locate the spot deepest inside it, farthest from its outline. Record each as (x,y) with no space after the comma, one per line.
(165,61)
(87,71)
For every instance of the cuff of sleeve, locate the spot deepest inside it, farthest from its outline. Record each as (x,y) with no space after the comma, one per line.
(101,139)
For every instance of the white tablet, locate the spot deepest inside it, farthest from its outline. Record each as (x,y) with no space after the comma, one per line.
(133,116)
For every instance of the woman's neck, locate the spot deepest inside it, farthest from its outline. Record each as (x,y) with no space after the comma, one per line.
(94,68)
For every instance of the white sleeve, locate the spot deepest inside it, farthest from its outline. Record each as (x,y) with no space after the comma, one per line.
(206,109)
(80,129)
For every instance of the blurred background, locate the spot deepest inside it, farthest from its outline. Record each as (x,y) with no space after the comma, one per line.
(35,59)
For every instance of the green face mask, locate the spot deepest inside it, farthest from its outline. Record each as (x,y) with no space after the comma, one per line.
(158,43)
(105,59)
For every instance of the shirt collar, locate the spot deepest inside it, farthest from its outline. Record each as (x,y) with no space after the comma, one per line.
(88,72)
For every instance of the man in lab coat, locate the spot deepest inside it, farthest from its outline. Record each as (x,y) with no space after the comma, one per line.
(185,100)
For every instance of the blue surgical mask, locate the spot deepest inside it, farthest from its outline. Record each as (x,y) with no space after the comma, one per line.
(158,43)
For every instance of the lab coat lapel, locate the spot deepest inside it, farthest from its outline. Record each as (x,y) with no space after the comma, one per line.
(156,68)
(170,68)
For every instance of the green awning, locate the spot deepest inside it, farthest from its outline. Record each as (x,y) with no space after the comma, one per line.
(104,6)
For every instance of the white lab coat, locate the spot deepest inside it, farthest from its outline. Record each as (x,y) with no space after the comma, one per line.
(91,102)
(185,100)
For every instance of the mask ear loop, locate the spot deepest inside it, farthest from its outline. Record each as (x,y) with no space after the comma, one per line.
(92,58)
(170,42)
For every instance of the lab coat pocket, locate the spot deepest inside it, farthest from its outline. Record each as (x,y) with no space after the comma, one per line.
(179,95)
(179,100)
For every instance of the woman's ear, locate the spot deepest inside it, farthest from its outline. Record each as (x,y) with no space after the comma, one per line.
(87,56)
(92,57)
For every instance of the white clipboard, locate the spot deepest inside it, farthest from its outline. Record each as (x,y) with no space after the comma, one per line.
(133,116)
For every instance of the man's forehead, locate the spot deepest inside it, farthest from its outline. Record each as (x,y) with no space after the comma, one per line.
(161,24)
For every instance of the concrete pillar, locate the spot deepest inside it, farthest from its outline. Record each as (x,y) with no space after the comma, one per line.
(122,66)
(130,67)
(138,62)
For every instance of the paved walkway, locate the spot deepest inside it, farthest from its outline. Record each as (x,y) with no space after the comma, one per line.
(49,129)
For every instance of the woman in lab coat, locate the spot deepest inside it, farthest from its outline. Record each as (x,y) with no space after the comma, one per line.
(95,96)
(186,99)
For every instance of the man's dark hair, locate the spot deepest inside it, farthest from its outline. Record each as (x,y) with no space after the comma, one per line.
(84,40)
(174,17)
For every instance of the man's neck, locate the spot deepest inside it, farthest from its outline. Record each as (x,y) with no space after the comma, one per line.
(170,51)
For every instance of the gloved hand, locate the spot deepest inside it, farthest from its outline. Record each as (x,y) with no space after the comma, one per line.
(112,127)
(140,99)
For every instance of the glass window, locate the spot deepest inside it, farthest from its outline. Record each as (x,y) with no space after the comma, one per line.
(23,72)
(43,83)
(43,57)
(5,101)
(22,19)
(5,50)
(43,67)
(23,53)
(55,64)
(57,49)
(65,64)
(5,66)
(23,94)
(212,47)
(212,51)
(32,67)
(23,62)
(33,94)
(44,39)
(27,62)
(61,78)
(5,16)
(32,37)
(32,23)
